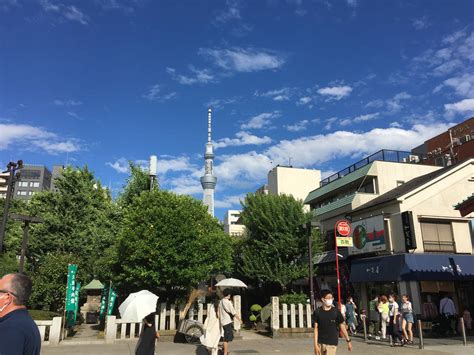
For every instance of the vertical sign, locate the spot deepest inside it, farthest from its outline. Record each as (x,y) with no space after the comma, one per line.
(111,303)
(408,235)
(104,302)
(71,294)
(78,289)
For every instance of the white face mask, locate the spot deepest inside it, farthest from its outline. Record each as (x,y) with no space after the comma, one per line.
(5,305)
(328,302)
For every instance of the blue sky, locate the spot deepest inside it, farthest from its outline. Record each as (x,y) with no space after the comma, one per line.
(322,83)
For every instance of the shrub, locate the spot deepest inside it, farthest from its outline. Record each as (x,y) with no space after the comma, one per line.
(294,298)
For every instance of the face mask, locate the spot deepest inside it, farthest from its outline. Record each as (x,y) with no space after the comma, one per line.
(328,302)
(4,306)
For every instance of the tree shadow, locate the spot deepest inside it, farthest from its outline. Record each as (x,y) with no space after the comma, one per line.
(201,350)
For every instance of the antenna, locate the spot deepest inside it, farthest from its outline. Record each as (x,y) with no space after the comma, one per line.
(209,129)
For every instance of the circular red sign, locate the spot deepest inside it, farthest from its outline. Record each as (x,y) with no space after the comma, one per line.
(344,228)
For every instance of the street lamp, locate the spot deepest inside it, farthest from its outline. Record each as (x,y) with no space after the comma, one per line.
(24,244)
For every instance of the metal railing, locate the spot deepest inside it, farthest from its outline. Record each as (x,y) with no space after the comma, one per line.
(382,155)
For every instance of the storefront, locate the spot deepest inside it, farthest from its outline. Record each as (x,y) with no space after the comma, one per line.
(425,277)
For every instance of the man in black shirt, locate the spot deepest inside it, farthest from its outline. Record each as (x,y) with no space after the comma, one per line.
(327,322)
(19,334)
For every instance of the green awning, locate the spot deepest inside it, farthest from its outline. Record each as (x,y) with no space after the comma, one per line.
(94,285)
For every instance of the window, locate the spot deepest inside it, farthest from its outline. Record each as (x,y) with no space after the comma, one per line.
(35,184)
(23,184)
(31,174)
(437,236)
(21,193)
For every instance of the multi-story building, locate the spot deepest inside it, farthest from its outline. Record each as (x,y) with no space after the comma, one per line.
(233,224)
(292,181)
(57,171)
(447,148)
(33,179)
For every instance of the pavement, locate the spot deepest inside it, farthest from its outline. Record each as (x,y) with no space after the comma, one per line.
(255,344)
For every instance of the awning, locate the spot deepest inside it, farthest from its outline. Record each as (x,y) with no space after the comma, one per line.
(413,267)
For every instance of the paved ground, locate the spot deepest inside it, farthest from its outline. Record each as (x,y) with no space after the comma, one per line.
(263,345)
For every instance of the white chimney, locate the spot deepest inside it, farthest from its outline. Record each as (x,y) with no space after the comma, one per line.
(153,163)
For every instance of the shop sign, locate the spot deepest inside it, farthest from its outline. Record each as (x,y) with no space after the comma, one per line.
(368,236)
(408,234)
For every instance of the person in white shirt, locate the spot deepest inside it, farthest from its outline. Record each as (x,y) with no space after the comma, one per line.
(448,310)
(226,317)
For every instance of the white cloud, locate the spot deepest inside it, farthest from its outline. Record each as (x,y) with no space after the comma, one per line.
(304,100)
(352,3)
(154,94)
(220,103)
(199,76)
(73,115)
(453,37)
(464,107)
(164,166)
(231,12)
(67,102)
(298,126)
(120,166)
(283,94)
(229,201)
(463,85)
(242,138)
(261,120)
(394,104)
(244,59)
(330,122)
(335,92)
(309,151)
(361,118)
(65,12)
(127,6)
(247,167)
(185,185)
(30,136)
(420,23)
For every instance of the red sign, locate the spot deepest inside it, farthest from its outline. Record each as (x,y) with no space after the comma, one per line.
(343,228)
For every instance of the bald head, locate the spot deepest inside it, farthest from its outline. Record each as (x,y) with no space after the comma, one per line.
(19,286)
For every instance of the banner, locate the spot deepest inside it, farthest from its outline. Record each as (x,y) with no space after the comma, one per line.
(368,235)
(111,303)
(71,295)
(103,302)
(78,289)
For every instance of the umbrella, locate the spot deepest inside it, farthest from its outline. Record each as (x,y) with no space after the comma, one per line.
(138,305)
(231,283)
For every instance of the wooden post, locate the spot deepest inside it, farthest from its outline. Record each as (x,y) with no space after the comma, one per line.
(463,331)
(300,316)
(275,316)
(292,316)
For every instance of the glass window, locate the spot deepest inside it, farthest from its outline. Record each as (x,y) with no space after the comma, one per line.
(36,184)
(437,236)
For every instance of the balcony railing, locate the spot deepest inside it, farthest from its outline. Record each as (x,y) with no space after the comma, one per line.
(382,155)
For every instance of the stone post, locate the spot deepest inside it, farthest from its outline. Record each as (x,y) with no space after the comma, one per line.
(111,330)
(55,331)
(275,320)
(238,311)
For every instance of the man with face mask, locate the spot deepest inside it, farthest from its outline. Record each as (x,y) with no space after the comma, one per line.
(327,322)
(19,334)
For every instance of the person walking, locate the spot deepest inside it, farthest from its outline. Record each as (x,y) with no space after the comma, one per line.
(374,317)
(327,323)
(408,319)
(351,315)
(393,327)
(384,310)
(19,334)
(148,336)
(226,316)
(447,310)
(212,329)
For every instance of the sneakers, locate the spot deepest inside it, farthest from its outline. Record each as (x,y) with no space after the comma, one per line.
(377,338)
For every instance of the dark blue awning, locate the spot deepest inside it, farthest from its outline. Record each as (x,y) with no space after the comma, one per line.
(413,267)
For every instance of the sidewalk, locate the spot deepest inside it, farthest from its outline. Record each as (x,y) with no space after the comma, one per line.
(264,345)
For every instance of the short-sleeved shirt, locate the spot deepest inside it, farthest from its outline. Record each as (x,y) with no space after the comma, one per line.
(328,325)
(393,306)
(19,334)
(226,308)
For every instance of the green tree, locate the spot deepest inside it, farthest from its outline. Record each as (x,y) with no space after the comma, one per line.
(169,241)
(275,250)
(137,182)
(79,220)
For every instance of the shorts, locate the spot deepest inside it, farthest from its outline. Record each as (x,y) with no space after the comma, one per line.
(228,332)
(328,349)
(409,317)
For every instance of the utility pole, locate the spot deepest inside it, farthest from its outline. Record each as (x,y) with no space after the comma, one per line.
(310,260)
(12,167)
(24,243)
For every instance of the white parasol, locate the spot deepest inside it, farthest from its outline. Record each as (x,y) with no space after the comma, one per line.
(138,305)
(231,283)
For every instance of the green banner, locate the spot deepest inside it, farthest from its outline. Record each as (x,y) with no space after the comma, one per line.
(78,289)
(111,303)
(71,288)
(103,302)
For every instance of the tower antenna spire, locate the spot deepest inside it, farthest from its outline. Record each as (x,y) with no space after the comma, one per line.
(208,180)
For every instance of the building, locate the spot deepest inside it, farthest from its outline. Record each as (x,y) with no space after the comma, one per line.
(233,224)
(209,181)
(454,145)
(414,240)
(33,179)
(262,190)
(57,171)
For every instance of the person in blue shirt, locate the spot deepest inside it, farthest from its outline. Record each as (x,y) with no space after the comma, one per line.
(351,315)
(19,334)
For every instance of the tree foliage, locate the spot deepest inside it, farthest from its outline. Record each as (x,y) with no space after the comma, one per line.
(137,182)
(169,241)
(275,249)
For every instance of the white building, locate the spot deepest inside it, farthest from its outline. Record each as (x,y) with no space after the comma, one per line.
(232,224)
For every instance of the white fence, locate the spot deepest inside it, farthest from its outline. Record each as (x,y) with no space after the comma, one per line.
(166,319)
(50,330)
(292,318)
